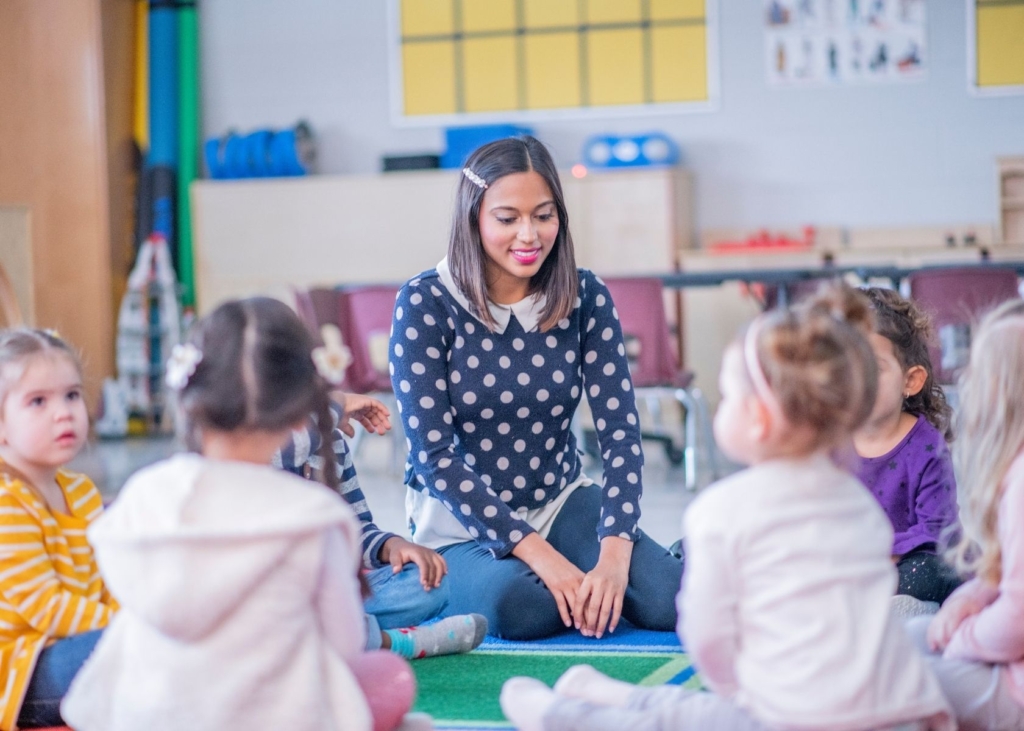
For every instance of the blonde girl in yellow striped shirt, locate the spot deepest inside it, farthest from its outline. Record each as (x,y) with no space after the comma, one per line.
(53,604)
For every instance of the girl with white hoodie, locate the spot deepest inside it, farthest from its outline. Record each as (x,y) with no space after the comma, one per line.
(240,602)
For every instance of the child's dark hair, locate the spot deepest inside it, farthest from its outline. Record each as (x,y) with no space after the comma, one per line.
(257,373)
(557,279)
(818,363)
(909,329)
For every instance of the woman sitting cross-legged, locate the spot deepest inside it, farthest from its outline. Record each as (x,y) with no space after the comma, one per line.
(490,355)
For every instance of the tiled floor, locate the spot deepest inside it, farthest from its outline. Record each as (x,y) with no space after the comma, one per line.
(110,463)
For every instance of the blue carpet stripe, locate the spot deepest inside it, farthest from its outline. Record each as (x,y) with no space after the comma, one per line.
(624,639)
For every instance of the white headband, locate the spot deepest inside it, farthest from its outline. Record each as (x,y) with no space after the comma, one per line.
(757,376)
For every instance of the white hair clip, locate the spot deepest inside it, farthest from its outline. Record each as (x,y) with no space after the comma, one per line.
(332,358)
(474,178)
(181,365)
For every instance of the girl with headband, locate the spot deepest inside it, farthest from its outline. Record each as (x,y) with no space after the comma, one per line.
(785,604)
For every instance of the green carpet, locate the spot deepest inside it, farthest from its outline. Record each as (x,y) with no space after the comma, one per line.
(461,691)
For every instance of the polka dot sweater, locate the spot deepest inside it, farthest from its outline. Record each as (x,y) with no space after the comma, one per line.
(487,414)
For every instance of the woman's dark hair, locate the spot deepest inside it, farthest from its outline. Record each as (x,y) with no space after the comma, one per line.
(909,329)
(256,373)
(557,279)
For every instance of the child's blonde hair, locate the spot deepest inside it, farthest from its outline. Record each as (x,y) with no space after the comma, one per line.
(19,345)
(818,363)
(990,422)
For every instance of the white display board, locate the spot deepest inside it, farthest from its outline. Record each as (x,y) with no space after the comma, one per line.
(836,42)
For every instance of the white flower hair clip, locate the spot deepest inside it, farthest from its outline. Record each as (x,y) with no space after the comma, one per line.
(332,358)
(474,178)
(181,365)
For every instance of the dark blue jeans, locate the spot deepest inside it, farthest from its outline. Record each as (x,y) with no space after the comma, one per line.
(517,604)
(56,668)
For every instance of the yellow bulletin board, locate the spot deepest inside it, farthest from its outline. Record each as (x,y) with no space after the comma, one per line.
(535,59)
(995,46)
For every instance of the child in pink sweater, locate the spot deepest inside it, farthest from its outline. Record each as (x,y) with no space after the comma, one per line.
(979,631)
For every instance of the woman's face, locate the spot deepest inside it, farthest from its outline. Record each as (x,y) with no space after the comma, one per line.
(518,227)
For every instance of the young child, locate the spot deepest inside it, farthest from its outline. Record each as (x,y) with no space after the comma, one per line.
(902,452)
(407,582)
(53,604)
(240,604)
(785,599)
(979,630)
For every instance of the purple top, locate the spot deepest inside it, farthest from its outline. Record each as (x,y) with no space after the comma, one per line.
(914,484)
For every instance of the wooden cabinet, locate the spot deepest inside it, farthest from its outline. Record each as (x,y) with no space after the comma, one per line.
(1011,200)
(264,236)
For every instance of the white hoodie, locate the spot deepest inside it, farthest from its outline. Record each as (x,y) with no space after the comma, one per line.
(240,606)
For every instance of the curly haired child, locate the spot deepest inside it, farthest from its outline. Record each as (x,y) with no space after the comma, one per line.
(903,457)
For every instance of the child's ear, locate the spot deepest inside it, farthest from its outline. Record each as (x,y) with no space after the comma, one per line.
(759,419)
(914,380)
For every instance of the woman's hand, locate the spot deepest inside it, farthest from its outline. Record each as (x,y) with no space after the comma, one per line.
(398,552)
(599,599)
(560,577)
(949,618)
(368,411)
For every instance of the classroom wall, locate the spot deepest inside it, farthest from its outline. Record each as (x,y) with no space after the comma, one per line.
(888,155)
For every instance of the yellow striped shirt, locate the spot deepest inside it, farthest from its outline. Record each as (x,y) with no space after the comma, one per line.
(50,586)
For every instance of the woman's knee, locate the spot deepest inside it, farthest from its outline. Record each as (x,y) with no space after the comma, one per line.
(523,609)
(654,581)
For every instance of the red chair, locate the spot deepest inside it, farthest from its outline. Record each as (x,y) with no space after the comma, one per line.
(364,317)
(955,298)
(656,373)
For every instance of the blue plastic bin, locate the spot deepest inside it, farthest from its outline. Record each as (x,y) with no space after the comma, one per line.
(461,141)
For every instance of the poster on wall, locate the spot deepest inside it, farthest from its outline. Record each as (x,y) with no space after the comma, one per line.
(473,61)
(835,42)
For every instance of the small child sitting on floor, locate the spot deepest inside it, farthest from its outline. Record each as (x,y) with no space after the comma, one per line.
(53,602)
(903,458)
(976,641)
(784,607)
(238,583)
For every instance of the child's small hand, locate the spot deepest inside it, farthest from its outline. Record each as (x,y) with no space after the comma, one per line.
(949,618)
(398,552)
(368,411)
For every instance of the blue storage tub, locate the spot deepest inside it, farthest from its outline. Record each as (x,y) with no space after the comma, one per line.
(461,141)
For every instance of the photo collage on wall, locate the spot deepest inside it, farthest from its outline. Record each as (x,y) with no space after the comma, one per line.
(823,42)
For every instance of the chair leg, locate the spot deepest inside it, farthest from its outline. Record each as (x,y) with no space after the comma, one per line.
(708,431)
(576,426)
(357,439)
(399,447)
(684,397)
(653,403)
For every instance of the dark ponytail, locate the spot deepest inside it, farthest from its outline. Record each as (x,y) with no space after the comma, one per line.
(256,372)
